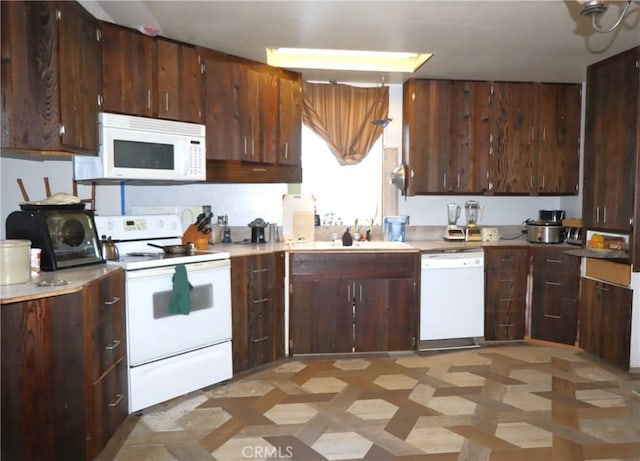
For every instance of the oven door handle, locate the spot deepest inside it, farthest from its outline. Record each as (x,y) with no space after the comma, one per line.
(170,270)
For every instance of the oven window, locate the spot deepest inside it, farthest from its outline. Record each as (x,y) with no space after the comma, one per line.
(143,155)
(201,298)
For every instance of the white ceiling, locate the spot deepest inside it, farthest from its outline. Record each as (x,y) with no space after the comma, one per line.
(483,40)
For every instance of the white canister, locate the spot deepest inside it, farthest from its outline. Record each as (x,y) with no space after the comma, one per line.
(15,261)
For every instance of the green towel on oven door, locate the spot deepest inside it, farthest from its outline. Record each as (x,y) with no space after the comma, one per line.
(180,302)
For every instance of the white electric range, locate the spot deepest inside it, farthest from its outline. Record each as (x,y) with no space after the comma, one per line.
(170,354)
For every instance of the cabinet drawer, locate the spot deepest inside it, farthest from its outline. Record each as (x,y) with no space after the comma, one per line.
(504,325)
(107,295)
(555,260)
(108,341)
(109,405)
(507,261)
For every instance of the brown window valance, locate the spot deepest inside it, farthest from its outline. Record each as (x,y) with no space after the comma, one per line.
(344,117)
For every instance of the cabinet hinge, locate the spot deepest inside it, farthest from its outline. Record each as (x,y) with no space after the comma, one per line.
(58,15)
(62,130)
(100,100)
(491,92)
(290,288)
(98,35)
(202,67)
(290,346)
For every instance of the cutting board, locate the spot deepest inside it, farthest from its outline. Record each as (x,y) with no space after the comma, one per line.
(297,218)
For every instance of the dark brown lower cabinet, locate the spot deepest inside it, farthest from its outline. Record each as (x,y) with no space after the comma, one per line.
(257,299)
(506,271)
(554,300)
(64,372)
(353,302)
(605,321)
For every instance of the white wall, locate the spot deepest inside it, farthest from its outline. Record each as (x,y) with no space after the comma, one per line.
(245,202)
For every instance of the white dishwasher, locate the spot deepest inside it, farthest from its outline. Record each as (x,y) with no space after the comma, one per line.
(452,299)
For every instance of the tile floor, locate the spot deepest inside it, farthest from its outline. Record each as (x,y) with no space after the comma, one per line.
(509,402)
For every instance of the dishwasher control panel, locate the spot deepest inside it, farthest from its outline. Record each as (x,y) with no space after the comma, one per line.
(452,259)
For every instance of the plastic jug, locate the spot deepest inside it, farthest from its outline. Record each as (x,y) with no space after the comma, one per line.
(395,228)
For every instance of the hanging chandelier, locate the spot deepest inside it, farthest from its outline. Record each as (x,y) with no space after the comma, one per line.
(595,8)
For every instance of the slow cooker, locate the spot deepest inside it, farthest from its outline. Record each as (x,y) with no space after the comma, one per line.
(545,232)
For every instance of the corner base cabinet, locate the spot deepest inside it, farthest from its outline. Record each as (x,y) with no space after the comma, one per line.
(506,271)
(605,321)
(353,302)
(64,372)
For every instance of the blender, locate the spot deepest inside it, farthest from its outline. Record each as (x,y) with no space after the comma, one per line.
(452,231)
(473,212)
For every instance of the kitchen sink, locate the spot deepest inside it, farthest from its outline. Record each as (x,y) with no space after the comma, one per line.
(380,245)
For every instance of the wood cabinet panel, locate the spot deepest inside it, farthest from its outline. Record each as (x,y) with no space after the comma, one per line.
(558,139)
(345,302)
(50,78)
(612,142)
(53,404)
(605,321)
(289,124)
(506,272)
(446,135)
(257,295)
(555,290)
(127,70)
(512,153)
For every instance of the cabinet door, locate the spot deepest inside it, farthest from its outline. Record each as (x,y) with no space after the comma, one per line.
(506,272)
(224,89)
(179,93)
(605,321)
(265,113)
(105,307)
(260,307)
(290,121)
(427,139)
(558,139)
(127,71)
(321,316)
(43,379)
(79,79)
(512,150)
(469,137)
(385,315)
(611,145)
(50,77)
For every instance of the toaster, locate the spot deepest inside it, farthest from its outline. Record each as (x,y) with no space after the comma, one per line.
(574,235)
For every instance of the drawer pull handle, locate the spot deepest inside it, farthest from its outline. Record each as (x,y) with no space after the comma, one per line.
(557,284)
(602,288)
(256,271)
(506,259)
(257,301)
(552,316)
(506,324)
(114,345)
(259,340)
(549,260)
(114,300)
(119,398)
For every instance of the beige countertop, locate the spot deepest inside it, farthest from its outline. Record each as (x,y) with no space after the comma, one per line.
(76,278)
(55,283)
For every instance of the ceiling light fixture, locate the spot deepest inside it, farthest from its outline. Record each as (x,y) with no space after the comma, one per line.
(376,61)
(596,8)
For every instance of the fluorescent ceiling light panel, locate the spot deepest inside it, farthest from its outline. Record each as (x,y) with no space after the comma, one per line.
(376,61)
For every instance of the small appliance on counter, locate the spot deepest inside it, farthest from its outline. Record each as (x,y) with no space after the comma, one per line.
(395,227)
(473,212)
(65,233)
(574,231)
(452,231)
(548,228)
(257,230)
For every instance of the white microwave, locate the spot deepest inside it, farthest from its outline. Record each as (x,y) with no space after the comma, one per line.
(140,148)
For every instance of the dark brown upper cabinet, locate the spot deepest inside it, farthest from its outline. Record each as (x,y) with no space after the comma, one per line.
(150,77)
(445,136)
(290,116)
(534,141)
(612,144)
(50,78)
